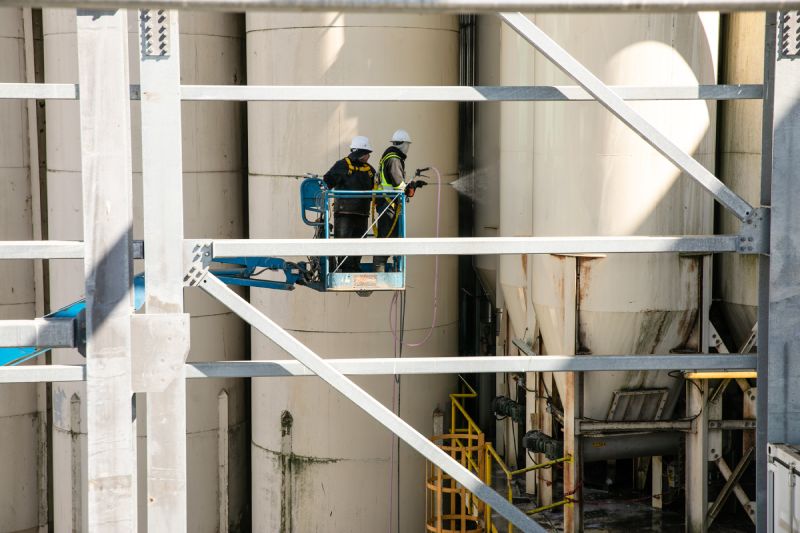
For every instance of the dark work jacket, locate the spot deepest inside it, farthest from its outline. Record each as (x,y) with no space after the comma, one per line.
(354,177)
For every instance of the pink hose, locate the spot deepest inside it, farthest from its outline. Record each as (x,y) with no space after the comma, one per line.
(392,324)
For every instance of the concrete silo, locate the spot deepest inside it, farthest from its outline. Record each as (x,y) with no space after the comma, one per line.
(740,167)
(319,463)
(19,503)
(594,176)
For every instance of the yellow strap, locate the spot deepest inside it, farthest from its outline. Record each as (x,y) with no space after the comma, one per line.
(363,168)
(396,218)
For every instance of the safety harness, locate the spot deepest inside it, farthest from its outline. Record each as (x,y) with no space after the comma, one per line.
(363,168)
(386,186)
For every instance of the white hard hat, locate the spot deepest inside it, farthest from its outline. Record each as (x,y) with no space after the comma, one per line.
(401,136)
(360,142)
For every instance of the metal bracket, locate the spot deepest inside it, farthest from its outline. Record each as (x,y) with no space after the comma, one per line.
(197,261)
(789,35)
(138,249)
(155,32)
(754,233)
(159,347)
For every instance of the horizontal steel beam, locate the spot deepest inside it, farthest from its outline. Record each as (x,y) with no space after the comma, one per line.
(40,332)
(466,246)
(452,6)
(41,249)
(52,250)
(425,365)
(472,365)
(365,93)
(55,91)
(732,424)
(592,426)
(252,93)
(39,91)
(42,373)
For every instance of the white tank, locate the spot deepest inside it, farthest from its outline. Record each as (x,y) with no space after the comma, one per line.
(211,47)
(594,176)
(329,467)
(18,410)
(740,167)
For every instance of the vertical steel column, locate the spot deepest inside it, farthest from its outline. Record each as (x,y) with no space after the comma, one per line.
(697,457)
(700,442)
(779,298)
(573,404)
(162,172)
(107,225)
(763,279)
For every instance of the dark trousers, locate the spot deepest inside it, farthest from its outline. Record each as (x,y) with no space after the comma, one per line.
(387,227)
(348,226)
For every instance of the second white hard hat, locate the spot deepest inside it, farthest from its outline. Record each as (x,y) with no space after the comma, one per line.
(401,136)
(360,142)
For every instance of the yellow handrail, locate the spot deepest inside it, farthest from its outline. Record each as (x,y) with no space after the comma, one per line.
(491,454)
(553,505)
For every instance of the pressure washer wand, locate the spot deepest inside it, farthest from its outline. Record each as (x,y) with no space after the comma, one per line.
(416,183)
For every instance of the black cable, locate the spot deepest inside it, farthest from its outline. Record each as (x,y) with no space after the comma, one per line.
(530,456)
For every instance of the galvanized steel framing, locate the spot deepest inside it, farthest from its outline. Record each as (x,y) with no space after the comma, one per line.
(108,248)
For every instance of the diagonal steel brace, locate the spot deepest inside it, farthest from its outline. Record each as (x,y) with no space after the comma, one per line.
(623,111)
(731,485)
(216,288)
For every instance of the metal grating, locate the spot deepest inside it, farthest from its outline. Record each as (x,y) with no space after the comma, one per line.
(632,405)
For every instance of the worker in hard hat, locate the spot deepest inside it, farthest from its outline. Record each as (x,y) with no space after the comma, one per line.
(391,177)
(351,215)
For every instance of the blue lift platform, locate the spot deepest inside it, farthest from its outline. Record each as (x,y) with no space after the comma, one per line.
(318,273)
(323,273)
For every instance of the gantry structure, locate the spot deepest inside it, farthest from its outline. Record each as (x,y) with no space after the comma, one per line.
(129,352)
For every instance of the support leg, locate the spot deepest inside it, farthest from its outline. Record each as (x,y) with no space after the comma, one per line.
(697,457)
(573,405)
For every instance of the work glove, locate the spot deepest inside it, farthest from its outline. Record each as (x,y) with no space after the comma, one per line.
(412,187)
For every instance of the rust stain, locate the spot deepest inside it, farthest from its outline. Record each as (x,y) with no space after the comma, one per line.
(654,326)
(524,259)
(687,324)
(585,270)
